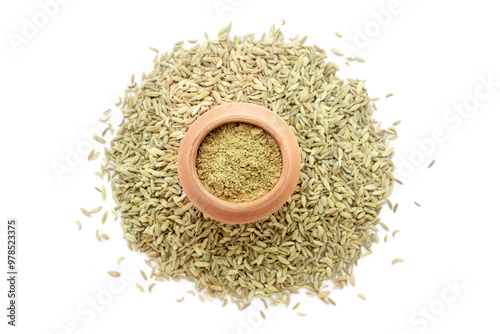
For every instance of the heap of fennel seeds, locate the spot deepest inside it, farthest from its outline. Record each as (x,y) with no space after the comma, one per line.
(326,226)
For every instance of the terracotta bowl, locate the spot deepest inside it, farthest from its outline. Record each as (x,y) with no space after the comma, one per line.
(240,212)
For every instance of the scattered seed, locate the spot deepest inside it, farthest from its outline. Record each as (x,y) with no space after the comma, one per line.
(432,163)
(104,216)
(361,296)
(140,287)
(104,236)
(105,119)
(97,209)
(85,212)
(263,315)
(301,314)
(151,287)
(296,305)
(114,273)
(394,233)
(264,302)
(338,35)
(98,235)
(79,225)
(201,298)
(120,260)
(417,204)
(395,207)
(180,299)
(396,123)
(91,153)
(337,53)
(325,294)
(397,260)
(144,275)
(99,139)
(389,95)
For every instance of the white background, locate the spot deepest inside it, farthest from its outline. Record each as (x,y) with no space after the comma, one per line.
(433,55)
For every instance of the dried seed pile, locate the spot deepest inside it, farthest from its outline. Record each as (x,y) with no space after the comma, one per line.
(329,222)
(238,162)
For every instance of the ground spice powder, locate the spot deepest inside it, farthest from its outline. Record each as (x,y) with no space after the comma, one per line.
(239,162)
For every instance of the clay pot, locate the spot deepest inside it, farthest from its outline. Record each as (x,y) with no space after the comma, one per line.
(241,212)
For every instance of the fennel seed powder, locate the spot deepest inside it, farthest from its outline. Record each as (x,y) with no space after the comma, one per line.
(238,162)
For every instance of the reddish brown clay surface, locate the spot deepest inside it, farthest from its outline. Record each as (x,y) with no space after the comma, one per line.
(243,212)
